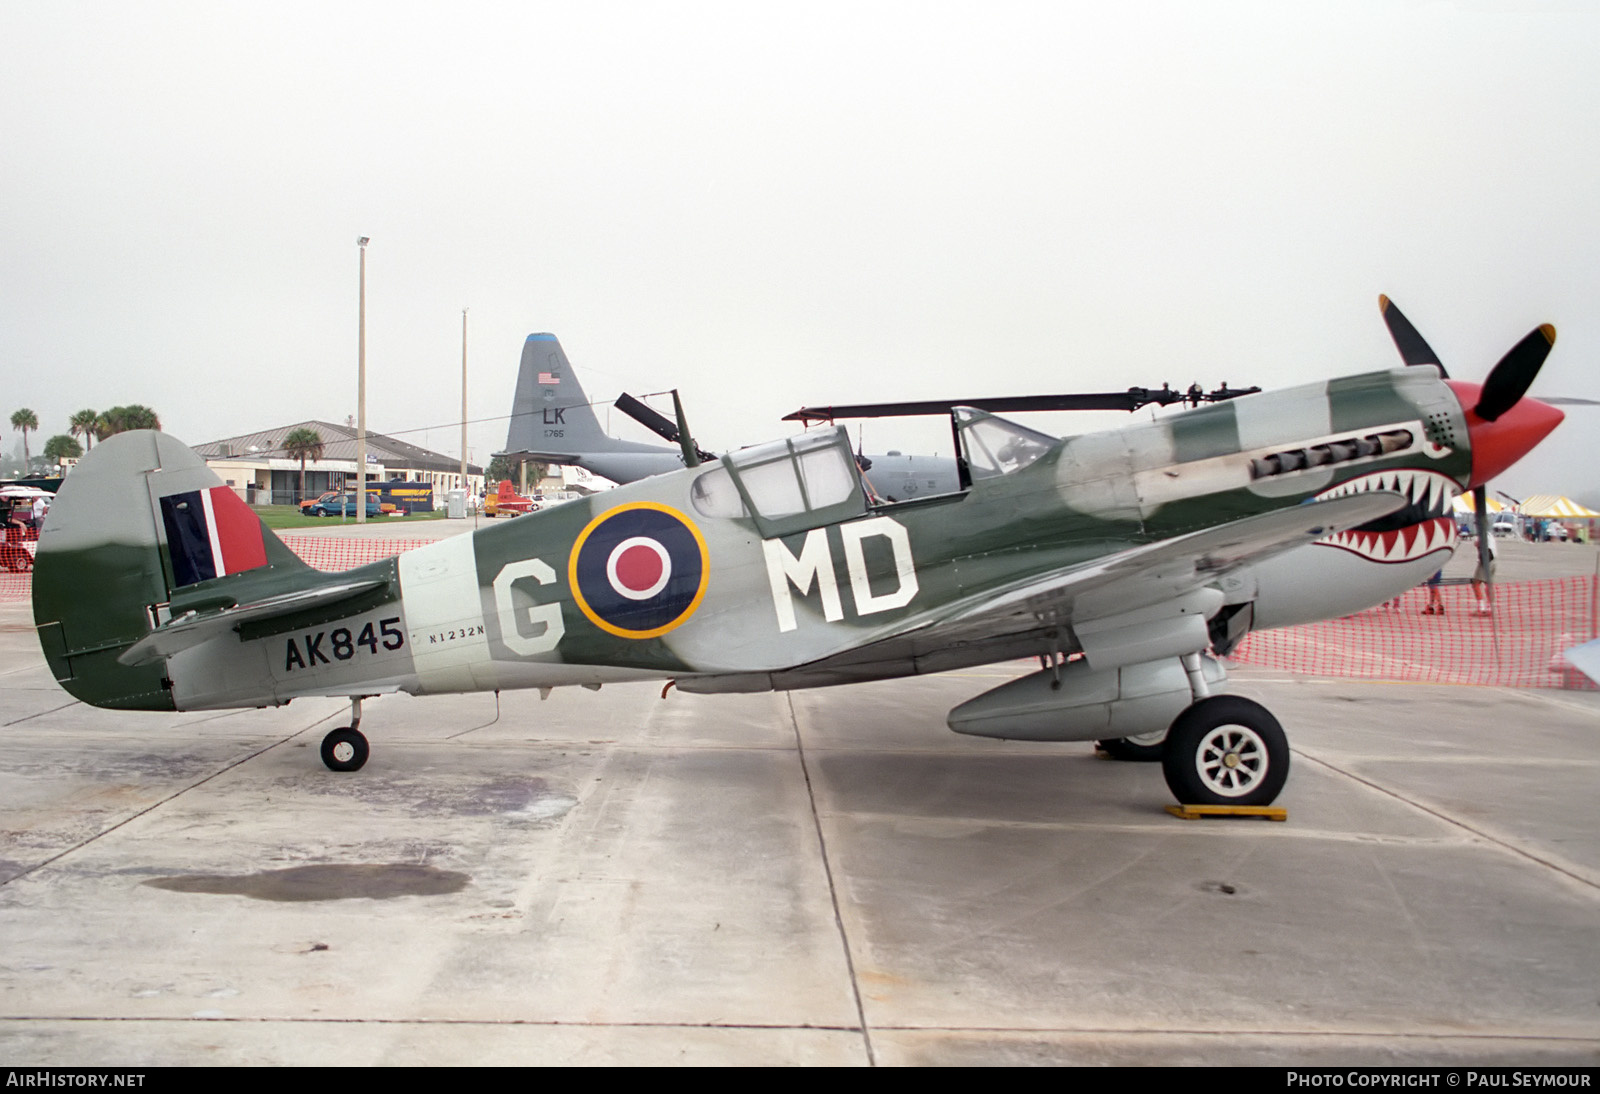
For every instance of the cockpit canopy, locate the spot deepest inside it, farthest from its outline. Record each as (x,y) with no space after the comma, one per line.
(785,486)
(994,446)
(807,481)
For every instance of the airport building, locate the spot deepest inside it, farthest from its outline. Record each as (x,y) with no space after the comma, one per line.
(263,473)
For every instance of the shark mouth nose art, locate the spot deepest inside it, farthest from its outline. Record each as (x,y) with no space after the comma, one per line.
(1423,526)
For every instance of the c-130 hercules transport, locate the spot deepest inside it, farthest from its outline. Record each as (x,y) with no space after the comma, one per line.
(1121,559)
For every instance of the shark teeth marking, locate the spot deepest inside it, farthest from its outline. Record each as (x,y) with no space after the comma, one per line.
(1424,526)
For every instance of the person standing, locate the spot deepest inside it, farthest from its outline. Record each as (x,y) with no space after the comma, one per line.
(1481,576)
(1435,604)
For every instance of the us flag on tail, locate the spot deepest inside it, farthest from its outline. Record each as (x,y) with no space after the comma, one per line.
(211,533)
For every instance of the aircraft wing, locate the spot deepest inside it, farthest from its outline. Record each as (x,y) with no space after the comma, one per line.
(1013,620)
(193,628)
(1148,575)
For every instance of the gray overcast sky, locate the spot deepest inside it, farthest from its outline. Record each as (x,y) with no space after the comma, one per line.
(772,205)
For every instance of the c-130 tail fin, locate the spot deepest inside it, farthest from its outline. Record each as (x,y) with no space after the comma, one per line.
(554,421)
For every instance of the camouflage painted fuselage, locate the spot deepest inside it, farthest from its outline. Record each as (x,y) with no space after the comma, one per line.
(734,584)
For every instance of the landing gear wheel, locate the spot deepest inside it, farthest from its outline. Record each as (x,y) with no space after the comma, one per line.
(1226,750)
(344,750)
(1146,748)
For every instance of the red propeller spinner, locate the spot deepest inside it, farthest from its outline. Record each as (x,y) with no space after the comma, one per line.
(1501,442)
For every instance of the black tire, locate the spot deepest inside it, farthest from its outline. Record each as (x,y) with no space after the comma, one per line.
(344,750)
(1147,748)
(1226,750)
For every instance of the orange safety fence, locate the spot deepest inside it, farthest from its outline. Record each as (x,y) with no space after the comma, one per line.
(1519,645)
(327,553)
(332,553)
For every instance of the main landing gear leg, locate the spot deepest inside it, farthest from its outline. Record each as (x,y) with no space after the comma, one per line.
(1149,748)
(1224,749)
(346,749)
(1197,678)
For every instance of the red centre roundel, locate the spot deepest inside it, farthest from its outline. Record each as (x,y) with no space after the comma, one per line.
(638,567)
(639,570)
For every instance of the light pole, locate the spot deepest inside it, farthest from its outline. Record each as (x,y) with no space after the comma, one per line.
(361,391)
(464,400)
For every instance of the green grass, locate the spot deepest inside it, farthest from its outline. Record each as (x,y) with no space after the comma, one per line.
(288,516)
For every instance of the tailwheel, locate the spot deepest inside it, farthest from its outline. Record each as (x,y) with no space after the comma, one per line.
(345,749)
(1226,750)
(1146,748)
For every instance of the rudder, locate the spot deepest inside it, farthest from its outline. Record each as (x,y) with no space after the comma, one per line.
(141,530)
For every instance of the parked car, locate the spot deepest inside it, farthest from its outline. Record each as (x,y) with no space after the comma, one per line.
(325,496)
(345,505)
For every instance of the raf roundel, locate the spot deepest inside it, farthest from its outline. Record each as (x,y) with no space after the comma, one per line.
(639,570)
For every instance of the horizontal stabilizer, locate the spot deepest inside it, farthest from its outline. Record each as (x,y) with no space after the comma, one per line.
(552,455)
(193,628)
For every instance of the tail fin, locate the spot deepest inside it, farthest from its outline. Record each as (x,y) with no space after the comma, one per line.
(551,417)
(550,412)
(141,531)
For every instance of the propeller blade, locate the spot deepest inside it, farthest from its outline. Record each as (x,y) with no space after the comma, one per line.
(1414,349)
(1480,503)
(657,423)
(1510,379)
(1480,509)
(691,454)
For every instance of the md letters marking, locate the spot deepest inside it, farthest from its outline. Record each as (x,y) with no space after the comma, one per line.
(814,568)
(341,644)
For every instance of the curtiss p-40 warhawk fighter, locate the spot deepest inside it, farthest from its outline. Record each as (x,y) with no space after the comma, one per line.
(1122,560)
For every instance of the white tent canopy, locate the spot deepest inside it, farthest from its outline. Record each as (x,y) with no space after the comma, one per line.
(1463,504)
(1554,505)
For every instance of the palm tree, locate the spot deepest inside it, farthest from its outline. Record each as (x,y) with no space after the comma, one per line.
(62,447)
(82,424)
(24,420)
(303,444)
(120,419)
